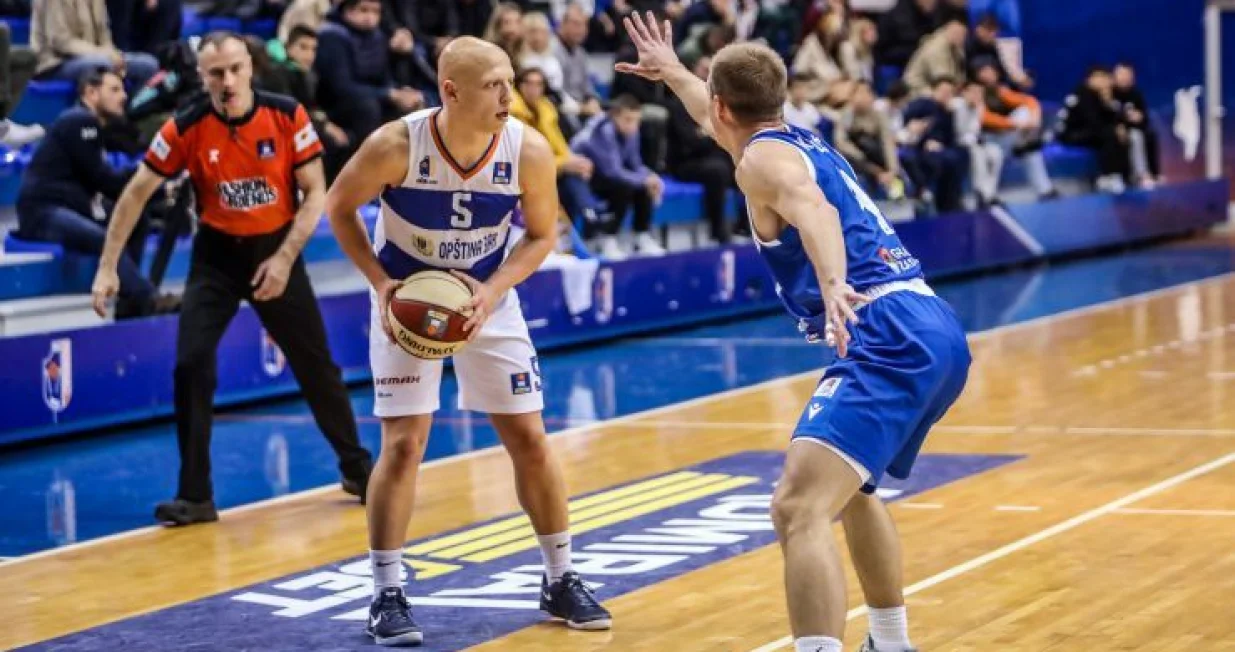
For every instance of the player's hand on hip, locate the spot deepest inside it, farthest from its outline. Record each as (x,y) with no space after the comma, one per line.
(385,292)
(270,280)
(106,285)
(840,303)
(481,304)
(654,42)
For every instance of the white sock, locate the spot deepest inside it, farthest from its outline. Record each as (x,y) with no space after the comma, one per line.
(817,644)
(889,628)
(555,550)
(385,565)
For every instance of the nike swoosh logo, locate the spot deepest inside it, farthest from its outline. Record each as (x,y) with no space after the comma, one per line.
(562,545)
(385,564)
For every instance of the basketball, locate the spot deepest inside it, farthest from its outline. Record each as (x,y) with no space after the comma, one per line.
(427,314)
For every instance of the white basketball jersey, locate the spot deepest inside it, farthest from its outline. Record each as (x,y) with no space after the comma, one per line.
(444,216)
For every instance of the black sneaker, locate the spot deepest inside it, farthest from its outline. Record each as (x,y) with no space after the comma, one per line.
(390,620)
(356,480)
(573,601)
(869,646)
(183,512)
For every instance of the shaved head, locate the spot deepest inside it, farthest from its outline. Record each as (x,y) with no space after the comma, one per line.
(476,81)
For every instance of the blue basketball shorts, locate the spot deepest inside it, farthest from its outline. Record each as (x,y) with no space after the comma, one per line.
(908,361)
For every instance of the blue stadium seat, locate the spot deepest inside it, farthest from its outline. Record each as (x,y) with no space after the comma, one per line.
(19,30)
(11,165)
(223,23)
(265,28)
(14,244)
(192,23)
(43,101)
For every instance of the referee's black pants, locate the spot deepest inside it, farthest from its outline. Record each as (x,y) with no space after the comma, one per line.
(220,273)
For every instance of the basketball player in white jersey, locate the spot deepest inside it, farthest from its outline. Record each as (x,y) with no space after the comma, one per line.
(449,180)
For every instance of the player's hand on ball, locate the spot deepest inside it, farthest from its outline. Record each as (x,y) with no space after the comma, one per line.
(106,285)
(385,292)
(654,42)
(481,305)
(840,302)
(270,280)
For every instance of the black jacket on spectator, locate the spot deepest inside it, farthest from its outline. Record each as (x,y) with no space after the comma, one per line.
(425,18)
(1093,122)
(473,15)
(686,142)
(900,31)
(943,127)
(979,54)
(351,64)
(1132,98)
(69,167)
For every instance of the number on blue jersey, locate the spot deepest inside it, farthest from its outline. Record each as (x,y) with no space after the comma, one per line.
(462,217)
(865,201)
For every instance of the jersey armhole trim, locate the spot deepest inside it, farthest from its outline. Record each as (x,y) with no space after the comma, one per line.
(810,167)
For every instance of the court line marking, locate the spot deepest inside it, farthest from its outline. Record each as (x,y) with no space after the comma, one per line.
(1017,508)
(920,505)
(958,430)
(1176,512)
(1099,307)
(1020,544)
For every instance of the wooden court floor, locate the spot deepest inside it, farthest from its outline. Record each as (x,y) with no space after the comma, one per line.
(1114,531)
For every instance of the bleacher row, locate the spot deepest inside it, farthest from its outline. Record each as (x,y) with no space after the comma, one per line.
(38,269)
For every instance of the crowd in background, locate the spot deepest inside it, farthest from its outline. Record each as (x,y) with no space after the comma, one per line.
(920,98)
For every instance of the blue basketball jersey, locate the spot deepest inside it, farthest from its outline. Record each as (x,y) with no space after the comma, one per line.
(874,254)
(444,216)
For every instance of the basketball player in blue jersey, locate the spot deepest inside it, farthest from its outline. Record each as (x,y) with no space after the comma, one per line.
(449,181)
(843,273)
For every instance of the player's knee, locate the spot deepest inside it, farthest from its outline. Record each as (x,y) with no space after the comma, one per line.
(404,441)
(528,447)
(791,510)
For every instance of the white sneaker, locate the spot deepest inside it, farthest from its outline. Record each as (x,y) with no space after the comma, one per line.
(648,246)
(16,135)
(610,249)
(1112,183)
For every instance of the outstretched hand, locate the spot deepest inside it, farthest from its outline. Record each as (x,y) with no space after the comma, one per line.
(654,43)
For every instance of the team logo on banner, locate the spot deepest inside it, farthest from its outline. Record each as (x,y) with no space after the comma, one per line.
(604,295)
(273,361)
(725,276)
(58,376)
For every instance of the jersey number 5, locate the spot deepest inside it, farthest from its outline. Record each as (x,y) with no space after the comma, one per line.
(462,217)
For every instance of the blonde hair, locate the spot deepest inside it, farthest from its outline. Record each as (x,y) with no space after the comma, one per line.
(534,20)
(495,19)
(750,79)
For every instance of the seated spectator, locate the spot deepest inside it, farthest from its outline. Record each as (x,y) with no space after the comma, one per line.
(16,68)
(505,28)
(620,178)
(432,22)
(985,157)
(576,80)
(819,56)
(939,154)
(1013,122)
(983,44)
(902,29)
(57,200)
(857,53)
(864,136)
(1146,165)
(799,111)
(72,37)
(706,42)
(144,25)
(309,13)
(1093,118)
(357,89)
(301,82)
(413,62)
(941,55)
(694,156)
(537,52)
(531,105)
(245,9)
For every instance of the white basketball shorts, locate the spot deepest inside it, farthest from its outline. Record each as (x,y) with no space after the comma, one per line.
(498,371)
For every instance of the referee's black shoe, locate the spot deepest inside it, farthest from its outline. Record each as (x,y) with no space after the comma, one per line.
(182,512)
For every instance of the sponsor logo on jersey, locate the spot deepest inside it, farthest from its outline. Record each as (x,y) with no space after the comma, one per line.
(501,173)
(246,194)
(265,148)
(423,245)
(521,383)
(395,380)
(827,388)
(424,170)
(898,258)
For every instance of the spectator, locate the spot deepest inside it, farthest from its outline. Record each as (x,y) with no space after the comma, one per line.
(799,111)
(505,28)
(857,53)
(1146,166)
(309,13)
(531,105)
(1092,118)
(983,45)
(537,52)
(864,136)
(432,23)
(246,9)
(72,37)
(942,160)
(473,15)
(411,60)
(819,56)
(301,82)
(576,80)
(941,55)
(985,158)
(950,10)
(16,68)
(902,29)
(57,201)
(144,25)
(1013,122)
(620,179)
(353,63)
(694,156)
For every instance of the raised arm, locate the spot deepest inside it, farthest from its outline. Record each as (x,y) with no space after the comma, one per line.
(773,176)
(658,62)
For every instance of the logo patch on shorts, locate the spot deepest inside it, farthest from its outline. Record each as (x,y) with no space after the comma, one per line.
(521,383)
(827,388)
(435,324)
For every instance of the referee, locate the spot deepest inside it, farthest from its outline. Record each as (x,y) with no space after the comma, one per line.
(248,154)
